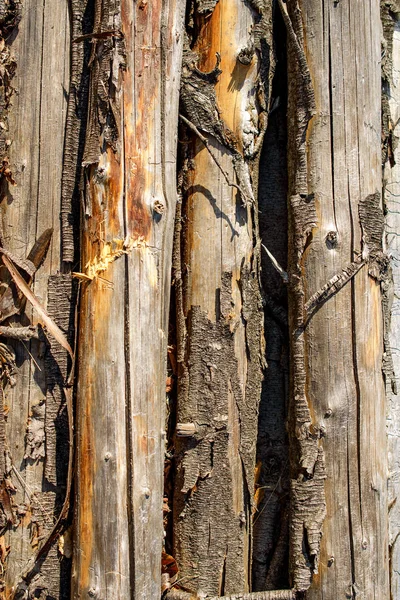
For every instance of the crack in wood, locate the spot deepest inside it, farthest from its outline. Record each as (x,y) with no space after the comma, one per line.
(307,458)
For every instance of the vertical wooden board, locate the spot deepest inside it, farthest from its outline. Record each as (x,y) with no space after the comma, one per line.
(371,576)
(102,538)
(344,338)
(146,369)
(126,255)
(332,390)
(152,80)
(36,129)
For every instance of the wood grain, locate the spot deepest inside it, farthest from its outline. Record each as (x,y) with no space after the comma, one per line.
(130,158)
(37,113)
(344,338)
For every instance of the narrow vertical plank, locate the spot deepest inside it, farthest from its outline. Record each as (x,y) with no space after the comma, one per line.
(391,114)
(219,314)
(40,46)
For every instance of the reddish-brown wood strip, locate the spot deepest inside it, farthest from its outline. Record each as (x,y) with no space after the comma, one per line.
(126,256)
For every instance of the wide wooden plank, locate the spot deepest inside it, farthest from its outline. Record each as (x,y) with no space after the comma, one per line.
(127,225)
(338,175)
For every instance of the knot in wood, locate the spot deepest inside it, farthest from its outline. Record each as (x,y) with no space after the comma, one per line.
(159,207)
(245,55)
(331,239)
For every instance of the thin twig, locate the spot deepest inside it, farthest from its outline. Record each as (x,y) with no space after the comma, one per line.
(20,333)
(271,494)
(267,595)
(204,140)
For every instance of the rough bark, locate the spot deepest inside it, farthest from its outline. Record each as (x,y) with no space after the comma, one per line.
(127,226)
(337,390)
(225,95)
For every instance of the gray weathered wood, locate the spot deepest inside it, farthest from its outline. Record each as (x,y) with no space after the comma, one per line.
(338,168)
(37,113)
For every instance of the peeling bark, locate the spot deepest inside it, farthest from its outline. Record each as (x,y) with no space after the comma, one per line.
(220,350)
(75,127)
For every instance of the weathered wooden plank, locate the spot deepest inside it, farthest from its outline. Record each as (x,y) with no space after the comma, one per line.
(341,356)
(130,158)
(40,46)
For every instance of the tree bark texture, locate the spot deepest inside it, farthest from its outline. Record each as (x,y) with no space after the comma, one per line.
(337,414)
(127,227)
(220,351)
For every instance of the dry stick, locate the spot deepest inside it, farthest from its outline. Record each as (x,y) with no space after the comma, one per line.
(25,289)
(21,333)
(276,265)
(204,140)
(271,494)
(270,595)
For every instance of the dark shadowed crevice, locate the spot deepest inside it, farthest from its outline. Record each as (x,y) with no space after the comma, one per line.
(270,545)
